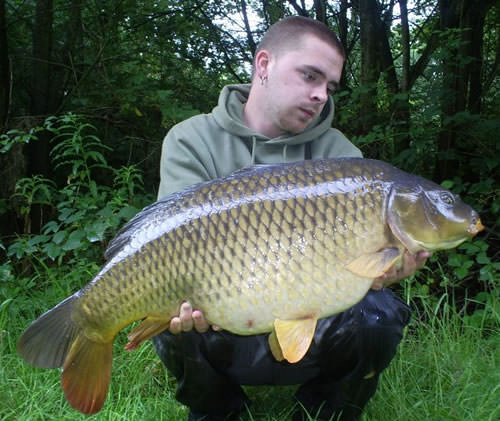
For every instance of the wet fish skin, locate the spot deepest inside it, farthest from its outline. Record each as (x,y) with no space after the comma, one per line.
(266,245)
(225,250)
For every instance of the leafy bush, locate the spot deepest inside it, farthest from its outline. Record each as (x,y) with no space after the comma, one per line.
(86,213)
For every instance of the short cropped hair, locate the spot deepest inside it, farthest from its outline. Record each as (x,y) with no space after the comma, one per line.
(287,32)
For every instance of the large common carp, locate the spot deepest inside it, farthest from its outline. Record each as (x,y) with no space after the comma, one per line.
(267,249)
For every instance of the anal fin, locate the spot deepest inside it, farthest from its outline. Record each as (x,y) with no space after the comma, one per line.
(149,327)
(293,337)
(373,265)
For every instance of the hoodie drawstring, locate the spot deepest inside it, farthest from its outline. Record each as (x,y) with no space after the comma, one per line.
(254,146)
(307,151)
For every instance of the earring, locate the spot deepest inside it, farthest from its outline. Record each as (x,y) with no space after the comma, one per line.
(263,79)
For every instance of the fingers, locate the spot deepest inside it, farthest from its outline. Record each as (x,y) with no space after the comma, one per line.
(377,284)
(200,323)
(183,322)
(410,264)
(421,258)
(175,326)
(186,316)
(189,319)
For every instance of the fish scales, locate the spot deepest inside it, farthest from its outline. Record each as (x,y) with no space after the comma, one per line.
(201,263)
(256,250)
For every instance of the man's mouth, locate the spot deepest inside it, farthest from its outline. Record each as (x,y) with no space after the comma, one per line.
(308,112)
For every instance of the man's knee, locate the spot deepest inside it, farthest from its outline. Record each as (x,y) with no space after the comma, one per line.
(380,319)
(364,337)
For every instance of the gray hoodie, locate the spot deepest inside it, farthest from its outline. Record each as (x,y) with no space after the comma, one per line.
(210,146)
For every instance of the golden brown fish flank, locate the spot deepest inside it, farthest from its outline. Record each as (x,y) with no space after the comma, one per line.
(267,249)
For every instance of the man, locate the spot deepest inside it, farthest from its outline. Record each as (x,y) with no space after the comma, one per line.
(284,115)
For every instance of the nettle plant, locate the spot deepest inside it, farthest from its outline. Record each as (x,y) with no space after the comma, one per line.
(86,212)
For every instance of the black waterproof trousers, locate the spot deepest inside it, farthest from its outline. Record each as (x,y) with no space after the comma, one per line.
(338,375)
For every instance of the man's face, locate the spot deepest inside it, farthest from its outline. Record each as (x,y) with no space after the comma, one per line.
(299,82)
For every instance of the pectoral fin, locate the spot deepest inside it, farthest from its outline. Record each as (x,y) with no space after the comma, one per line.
(149,327)
(291,339)
(373,265)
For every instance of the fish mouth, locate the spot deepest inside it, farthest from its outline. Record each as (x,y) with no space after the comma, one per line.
(475,227)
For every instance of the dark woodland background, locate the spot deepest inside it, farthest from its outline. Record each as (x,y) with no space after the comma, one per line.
(88,90)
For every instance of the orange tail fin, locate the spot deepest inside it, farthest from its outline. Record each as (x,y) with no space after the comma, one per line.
(86,374)
(54,340)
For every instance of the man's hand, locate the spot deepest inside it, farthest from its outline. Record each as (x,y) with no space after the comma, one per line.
(411,263)
(189,319)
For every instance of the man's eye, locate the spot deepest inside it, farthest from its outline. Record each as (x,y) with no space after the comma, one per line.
(309,76)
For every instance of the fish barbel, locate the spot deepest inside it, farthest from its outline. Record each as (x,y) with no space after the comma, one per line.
(271,248)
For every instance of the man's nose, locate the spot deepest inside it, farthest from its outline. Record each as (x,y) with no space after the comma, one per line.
(320,94)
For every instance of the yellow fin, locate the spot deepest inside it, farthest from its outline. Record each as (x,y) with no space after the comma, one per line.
(86,374)
(149,327)
(274,345)
(373,265)
(295,337)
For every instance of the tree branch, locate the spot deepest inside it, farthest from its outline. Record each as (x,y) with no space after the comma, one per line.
(298,8)
(250,40)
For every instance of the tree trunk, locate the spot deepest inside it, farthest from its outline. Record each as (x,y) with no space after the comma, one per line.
(343,27)
(37,152)
(66,78)
(401,103)
(343,24)
(320,9)
(474,19)
(4,70)
(251,42)
(370,70)
(461,89)
(405,46)
(42,54)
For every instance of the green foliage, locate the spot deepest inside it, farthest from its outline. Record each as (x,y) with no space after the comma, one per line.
(85,212)
(465,276)
(76,148)
(15,136)
(30,191)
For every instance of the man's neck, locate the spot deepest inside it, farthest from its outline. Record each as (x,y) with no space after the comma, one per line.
(254,115)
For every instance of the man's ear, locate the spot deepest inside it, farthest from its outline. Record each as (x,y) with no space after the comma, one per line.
(262,60)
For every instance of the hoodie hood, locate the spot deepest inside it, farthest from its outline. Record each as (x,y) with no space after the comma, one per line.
(229,115)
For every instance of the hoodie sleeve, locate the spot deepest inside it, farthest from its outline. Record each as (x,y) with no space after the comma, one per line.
(185,160)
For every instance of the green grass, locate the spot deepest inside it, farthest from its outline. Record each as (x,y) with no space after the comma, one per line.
(447,368)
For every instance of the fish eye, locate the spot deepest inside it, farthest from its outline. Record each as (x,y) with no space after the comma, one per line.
(447,198)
